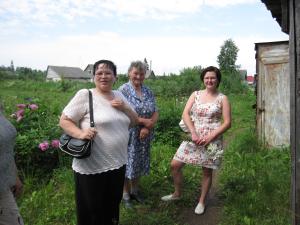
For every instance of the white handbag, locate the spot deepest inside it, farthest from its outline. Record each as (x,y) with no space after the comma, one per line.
(183,126)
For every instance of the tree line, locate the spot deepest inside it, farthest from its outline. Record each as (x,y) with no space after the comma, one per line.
(226,61)
(22,73)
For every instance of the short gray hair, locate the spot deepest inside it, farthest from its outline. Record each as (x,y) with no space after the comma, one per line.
(139,65)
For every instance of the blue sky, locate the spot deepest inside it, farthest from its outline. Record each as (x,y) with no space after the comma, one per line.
(172,34)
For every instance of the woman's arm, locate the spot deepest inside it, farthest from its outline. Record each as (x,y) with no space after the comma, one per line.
(186,116)
(17,188)
(71,129)
(149,122)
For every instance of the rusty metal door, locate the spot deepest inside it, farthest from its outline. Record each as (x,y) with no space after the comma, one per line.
(273,93)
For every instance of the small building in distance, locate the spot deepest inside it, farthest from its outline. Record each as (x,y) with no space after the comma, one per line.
(89,69)
(149,71)
(243,74)
(250,80)
(57,73)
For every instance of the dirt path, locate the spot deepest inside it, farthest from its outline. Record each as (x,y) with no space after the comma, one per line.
(212,213)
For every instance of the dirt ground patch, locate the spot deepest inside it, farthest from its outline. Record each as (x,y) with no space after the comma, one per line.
(212,213)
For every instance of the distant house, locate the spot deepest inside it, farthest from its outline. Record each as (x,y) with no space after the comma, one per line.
(250,80)
(89,69)
(56,73)
(149,71)
(149,74)
(243,74)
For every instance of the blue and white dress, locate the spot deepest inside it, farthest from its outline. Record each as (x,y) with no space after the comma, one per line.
(138,162)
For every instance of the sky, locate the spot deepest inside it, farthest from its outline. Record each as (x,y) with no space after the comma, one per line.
(171,34)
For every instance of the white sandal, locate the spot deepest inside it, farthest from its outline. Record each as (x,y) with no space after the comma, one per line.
(170,197)
(200,208)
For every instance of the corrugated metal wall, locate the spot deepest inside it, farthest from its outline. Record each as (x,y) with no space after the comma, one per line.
(273,93)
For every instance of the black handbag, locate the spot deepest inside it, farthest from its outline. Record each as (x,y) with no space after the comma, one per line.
(78,148)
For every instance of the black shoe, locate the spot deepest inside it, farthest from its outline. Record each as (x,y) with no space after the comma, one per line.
(137,197)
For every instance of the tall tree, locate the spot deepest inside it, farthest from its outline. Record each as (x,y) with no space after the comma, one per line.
(228,56)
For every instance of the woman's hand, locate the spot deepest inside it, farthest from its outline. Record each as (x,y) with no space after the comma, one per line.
(144,133)
(118,104)
(148,123)
(17,188)
(88,133)
(195,138)
(206,139)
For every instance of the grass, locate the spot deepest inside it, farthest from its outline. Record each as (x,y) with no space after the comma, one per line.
(255,183)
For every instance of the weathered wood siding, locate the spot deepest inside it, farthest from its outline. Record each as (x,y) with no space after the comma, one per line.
(273,93)
(294,34)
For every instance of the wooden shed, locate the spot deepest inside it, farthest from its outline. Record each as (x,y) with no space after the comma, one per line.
(287,14)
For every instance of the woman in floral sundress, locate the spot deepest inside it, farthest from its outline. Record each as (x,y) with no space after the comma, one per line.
(202,117)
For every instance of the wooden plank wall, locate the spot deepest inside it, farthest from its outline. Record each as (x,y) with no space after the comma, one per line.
(294,36)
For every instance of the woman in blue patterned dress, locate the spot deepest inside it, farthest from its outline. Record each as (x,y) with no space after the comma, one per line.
(142,100)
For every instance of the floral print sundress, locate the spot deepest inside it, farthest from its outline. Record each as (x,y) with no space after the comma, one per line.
(206,117)
(138,162)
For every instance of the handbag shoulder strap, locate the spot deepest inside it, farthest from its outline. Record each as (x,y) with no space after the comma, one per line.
(92,124)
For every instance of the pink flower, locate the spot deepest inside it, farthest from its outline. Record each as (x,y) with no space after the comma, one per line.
(33,107)
(20,113)
(44,146)
(21,106)
(19,118)
(55,143)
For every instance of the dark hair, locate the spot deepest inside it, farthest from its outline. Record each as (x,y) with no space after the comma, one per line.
(108,63)
(211,69)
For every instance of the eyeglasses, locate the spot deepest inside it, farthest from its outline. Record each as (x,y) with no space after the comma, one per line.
(104,74)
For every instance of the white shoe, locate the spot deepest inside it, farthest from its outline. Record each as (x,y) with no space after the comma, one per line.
(168,198)
(199,209)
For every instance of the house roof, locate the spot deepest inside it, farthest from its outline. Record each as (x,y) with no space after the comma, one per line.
(280,11)
(250,79)
(70,72)
(89,67)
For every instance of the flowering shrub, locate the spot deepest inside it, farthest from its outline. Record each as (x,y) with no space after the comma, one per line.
(35,122)
(21,110)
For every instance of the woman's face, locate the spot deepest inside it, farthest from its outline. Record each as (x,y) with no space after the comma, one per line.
(136,77)
(104,77)
(210,80)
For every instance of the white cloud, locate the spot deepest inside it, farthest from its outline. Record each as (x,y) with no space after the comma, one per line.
(48,12)
(223,3)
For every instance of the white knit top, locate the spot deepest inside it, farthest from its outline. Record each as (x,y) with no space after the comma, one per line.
(109,149)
